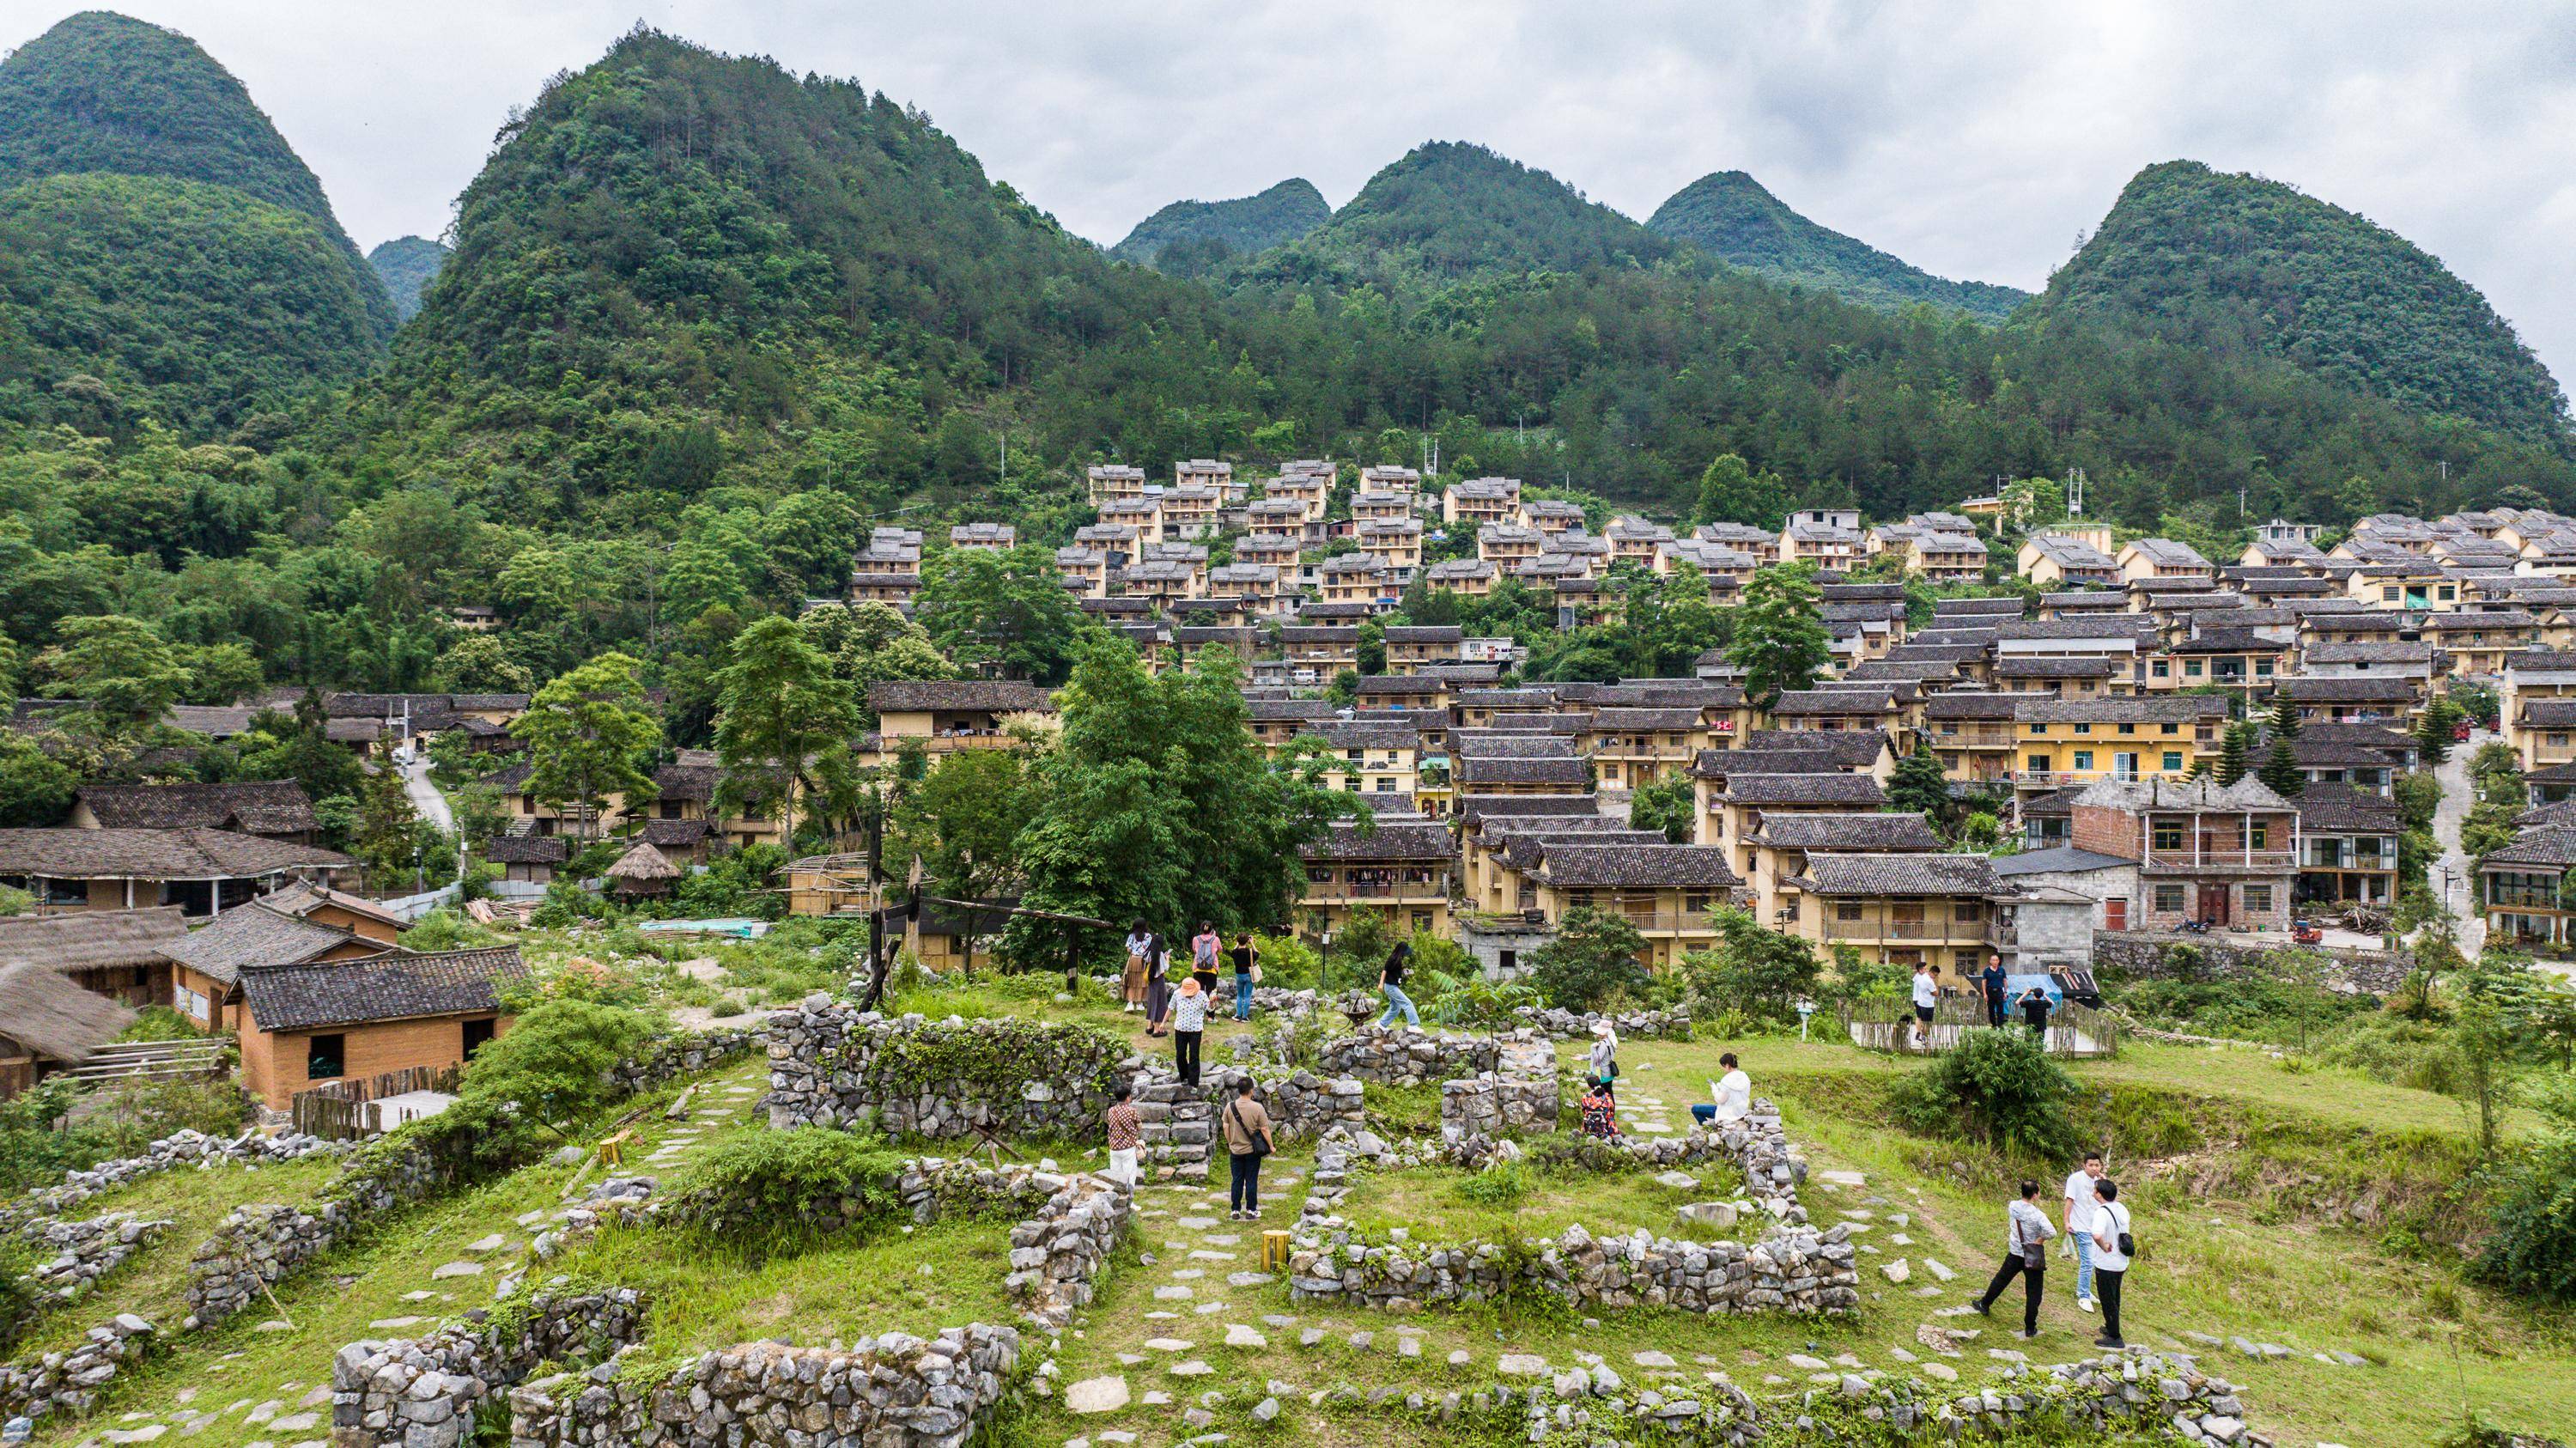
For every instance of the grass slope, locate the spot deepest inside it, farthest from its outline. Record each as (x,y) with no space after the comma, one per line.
(1735,219)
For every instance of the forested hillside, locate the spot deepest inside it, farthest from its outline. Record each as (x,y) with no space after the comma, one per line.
(191,303)
(2250,265)
(1191,236)
(101,96)
(1730,216)
(407,265)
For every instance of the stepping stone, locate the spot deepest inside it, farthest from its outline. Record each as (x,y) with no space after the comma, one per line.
(397,1321)
(455,1269)
(1941,1371)
(1897,1271)
(1520,1365)
(1212,1256)
(1310,1336)
(1197,1224)
(1238,1335)
(1899,1239)
(1191,1369)
(1168,1344)
(296,1422)
(1679,1181)
(1279,1320)
(1652,1360)
(1130,1359)
(1173,1294)
(1361,1340)
(1155,1399)
(1409,1347)
(1460,1358)
(1247,1279)
(1804,1363)
(486,1244)
(1933,1266)
(264,1411)
(1843,1178)
(1189,1274)
(1205,1308)
(1222,1239)
(1096,1395)
(530,1219)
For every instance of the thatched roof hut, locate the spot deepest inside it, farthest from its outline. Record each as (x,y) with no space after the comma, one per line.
(81,940)
(47,1016)
(642,870)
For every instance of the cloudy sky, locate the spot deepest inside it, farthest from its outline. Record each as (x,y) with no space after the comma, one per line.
(1973,138)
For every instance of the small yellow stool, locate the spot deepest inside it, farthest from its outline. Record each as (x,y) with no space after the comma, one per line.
(612,1152)
(1274,1250)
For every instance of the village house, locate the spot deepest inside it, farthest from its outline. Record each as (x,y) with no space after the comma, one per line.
(528,859)
(2347,847)
(2222,855)
(1481,500)
(1367,506)
(1115,481)
(1190,512)
(1396,543)
(1311,492)
(1494,850)
(1085,571)
(1401,869)
(304,1024)
(1732,802)
(2060,559)
(999,537)
(203,871)
(1377,762)
(1509,543)
(1825,545)
(1777,854)
(2352,700)
(1900,908)
(1972,735)
(1553,516)
(1316,652)
(1361,578)
(2081,741)
(292,927)
(2523,888)
(945,714)
(1945,557)
(1390,479)
(1412,648)
(1670,893)
(113,954)
(2162,559)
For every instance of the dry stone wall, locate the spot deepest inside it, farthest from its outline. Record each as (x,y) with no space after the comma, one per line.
(183,1148)
(1406,1058)
(259,1244)
(2153,956)
(70,1382)
(77,1254)
(831,1064)
(1673,1024)
(894,1391)
(426,1392)
(1518,1095)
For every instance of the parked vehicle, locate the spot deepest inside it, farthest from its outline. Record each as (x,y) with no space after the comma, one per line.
(2307,932)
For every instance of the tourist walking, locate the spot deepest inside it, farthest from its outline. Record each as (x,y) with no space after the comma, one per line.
(1603,1063)
(2026,1234)
(1927,1003)
(1247,1141)
(1730,1096)
(1126,1133)
(1189,1019)
(1247,974)
(1131,981)
(1158,987)
(2079,1225)
(2111,1248)
(1204,949)
(1997,987)
(1390,984)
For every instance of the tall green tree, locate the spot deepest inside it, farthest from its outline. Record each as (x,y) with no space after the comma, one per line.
(117,664)
(387,835)
(1595,954)
(1730,491)
(589,734)
(478,664)
(2235,753)
(2433,731)
(1780,640)
(1007,609)
(36,789)
(963,822)
(2285,717)
(2280,772)
(1156,804)
(1921,785)
(298,746)
(784,723)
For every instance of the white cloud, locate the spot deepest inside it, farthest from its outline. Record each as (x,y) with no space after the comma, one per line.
(1973,138)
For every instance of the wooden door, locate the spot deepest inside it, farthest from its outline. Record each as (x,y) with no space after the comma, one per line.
(2213,904)
(2115,914)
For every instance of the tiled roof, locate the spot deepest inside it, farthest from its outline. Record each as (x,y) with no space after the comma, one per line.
(2549,713)
(2054,859)
(1506,744)
(155,854)
(2342,809)
(1475,769)
(1476,807)
(1958,704)
(90,939)
(1888,832)
(2379,690)
(526,850)
(1345,841)
(1848,748)
(1776,789)
(1587,866)
(1900,874)
(2547,845)
(279,807)
(2368,653)
(2183,709)
(1869,699)
(2023,667)
(255,935)
(905,696)
(2136,795)
(391,987)
(1345,735)
(1981,607)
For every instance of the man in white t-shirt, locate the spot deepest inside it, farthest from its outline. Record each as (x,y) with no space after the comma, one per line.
(2079,1225)
(1927,998)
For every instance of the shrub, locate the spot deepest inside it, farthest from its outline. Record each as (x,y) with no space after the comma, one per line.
(446,928)
(1998,1087)
(159,1023)
(555,1060)
(779,1178)
(2533,1250)
(1592,956)
(1758,971)
(1500,1186)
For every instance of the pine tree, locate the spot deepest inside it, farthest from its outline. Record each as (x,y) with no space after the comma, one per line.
(2285,718)
(2280,772)
(2433,732)
(2236,753)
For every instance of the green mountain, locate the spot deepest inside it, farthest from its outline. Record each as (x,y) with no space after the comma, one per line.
(2247,265)
(1450,210)
(407,265)
(192,303)
(1730,216)
(102,96)
(1210,231)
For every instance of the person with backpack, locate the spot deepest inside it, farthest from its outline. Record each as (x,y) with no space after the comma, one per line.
(1603,1064)
(1247,1141)
(1247,974)
(1131,981)
(1390,984)
(2026,1234)
(2112,1248)
(1600,1112)
(1189,1020)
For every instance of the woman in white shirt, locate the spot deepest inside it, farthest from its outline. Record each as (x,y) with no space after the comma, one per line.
(2110,1264)
(1731,1098)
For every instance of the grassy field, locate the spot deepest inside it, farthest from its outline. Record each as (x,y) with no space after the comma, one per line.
(2302,1208)
(1440,1204)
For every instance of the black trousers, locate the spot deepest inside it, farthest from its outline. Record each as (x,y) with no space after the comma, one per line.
(2106,1290)
(1995,1011)
(1244,1193)
(2031,1277)
(1185,1055)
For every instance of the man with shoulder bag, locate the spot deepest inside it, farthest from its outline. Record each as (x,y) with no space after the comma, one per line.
(2026,1234)
(1247,1141)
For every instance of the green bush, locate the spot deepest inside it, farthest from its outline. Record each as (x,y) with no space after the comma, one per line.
(1592,956)
(1997,1087)
(780,1178)
(2533,1249)
(555,1060)
(1500,1187)
(159,1023)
